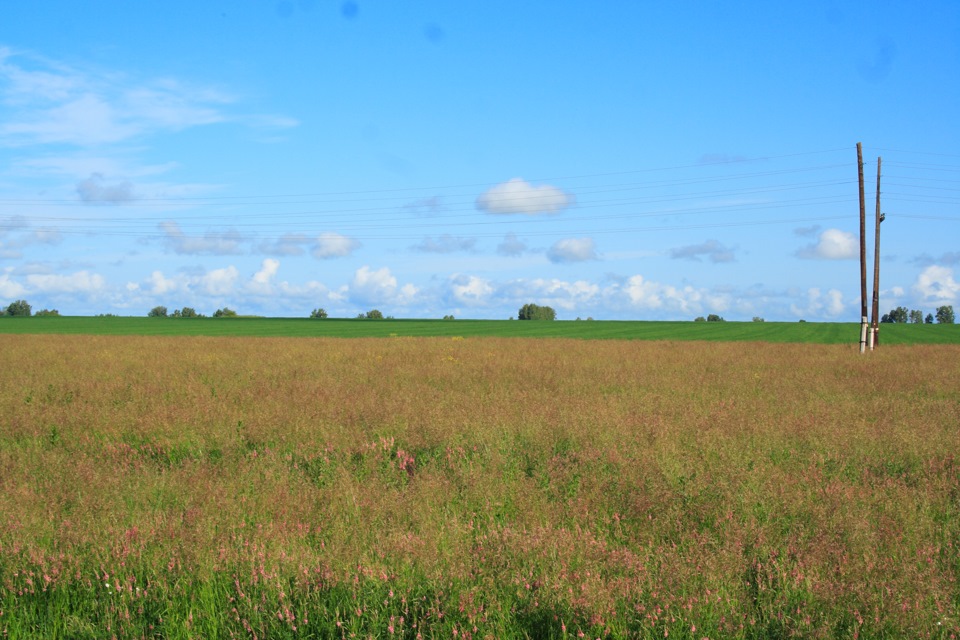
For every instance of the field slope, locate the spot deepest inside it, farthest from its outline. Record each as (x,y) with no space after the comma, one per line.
(795,332)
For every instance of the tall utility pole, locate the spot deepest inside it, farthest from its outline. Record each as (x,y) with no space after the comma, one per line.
(875,333)
(863,255)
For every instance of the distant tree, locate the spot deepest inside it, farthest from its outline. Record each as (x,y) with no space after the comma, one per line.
(757,319)
(714,318)
(226,312)
(945,314)
(374,314)
(802,320)
(318,313)
(157,312)
(928,319)
(448,317)
(186,312)
(699,319)
(900,314)
(916,316)
(19,308)
(536,312)
(47,312)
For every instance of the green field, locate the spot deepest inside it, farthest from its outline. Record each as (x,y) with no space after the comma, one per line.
(797,332)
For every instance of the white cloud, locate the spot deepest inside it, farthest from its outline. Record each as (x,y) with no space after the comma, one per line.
(372,286)
(712,249)
(650,295)
(261,282)
(160,285)
(470,290)
(833,244)
(333,245)
(379,286)
(935,285)
(10,288)
(82,282)
(572,250)
(827,305)
(216,243)
(95,190)
(519,196)
(219,282)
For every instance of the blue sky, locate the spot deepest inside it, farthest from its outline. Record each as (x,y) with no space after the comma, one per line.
(624,160)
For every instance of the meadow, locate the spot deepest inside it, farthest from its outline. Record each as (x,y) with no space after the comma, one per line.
(476,487)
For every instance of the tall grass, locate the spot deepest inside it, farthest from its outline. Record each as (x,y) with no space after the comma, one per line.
(225,487)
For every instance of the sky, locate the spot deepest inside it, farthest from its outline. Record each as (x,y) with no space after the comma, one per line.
(615,161)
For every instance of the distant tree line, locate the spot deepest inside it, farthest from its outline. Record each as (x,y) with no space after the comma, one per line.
(901,315)
(22,308)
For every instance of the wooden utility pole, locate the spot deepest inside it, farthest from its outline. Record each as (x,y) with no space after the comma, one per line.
(863,254)
(875,312)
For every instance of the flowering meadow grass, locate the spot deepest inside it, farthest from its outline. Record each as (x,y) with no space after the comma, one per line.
(160,487)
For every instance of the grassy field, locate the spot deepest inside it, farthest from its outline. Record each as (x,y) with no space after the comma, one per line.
(210,487)
(798,332)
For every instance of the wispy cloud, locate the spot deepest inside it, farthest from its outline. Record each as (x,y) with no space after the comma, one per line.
(95,190)
(711,249)
(950,258)
(47,102)
(289,244)
(445,243)
(213,243)
(511,246)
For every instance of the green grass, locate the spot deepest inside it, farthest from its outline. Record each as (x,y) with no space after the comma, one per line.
(797,332)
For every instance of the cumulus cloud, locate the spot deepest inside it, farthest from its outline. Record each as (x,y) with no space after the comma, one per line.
(511,246)
(214,243)
(219,282)
(650,295)
(470,290)
(160,285)
(711,249)
(519,196)
(95,190)
(818,304)
(10,288)
(935,285)
(833,244)
(572,250)
(379,286)
(446,243)
(333,245)
(261,282)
